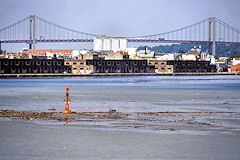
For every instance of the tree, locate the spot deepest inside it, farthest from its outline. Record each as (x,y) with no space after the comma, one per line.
(1,51)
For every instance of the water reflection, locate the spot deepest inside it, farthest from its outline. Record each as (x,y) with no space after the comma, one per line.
(66,119)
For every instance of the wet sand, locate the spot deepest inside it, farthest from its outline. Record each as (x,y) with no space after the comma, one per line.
(22,139)
(146,121)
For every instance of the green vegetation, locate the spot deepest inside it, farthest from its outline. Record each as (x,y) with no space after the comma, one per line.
(1,51)
(221,50)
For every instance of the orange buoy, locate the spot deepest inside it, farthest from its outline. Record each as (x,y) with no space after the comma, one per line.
(67,102)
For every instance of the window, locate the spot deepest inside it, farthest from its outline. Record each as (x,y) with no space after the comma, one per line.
(74,63)
(74,68)
(67,63)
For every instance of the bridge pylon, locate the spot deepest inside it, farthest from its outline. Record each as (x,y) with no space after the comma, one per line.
(32,32)
(212,34)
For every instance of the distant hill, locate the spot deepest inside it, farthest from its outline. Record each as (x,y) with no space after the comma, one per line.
(221,50)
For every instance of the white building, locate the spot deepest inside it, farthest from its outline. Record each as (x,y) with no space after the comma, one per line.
(132,51)
(123,45)
(115,44)
(145,53)
(236,61)
(107,44)
(188,57)
(97,44)
(103,43)
(49,55)
(169,56)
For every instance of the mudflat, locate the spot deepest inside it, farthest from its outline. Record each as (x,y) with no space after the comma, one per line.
(22,139)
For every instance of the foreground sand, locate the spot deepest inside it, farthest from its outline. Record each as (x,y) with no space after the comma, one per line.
(21,139)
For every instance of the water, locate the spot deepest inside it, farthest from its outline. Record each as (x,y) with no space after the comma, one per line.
(124,139)
(125,94)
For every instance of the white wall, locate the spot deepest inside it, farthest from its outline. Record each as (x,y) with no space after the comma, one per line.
(236,61)
(97,44)
(110,44)
(188,57)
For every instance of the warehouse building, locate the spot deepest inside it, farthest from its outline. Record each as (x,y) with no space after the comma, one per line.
(21,66)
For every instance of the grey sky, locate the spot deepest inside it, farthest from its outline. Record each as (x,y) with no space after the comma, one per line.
(120,17)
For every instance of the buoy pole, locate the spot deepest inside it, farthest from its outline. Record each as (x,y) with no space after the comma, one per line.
(67,102)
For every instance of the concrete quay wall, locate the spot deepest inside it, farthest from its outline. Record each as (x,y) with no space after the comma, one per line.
(115,74)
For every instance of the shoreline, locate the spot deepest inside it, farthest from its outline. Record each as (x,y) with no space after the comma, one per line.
(150,121)
(116,74)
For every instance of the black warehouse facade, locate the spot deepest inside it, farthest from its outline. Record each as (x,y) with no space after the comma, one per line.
(28,66)
(121,66)
(21,66)
(192,66)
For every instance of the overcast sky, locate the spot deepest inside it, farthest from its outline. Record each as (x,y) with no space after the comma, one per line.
(118,17)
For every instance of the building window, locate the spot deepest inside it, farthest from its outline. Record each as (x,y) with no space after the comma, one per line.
(74,63)
(67,63)
(74,68)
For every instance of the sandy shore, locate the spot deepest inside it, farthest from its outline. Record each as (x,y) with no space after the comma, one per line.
(21,139)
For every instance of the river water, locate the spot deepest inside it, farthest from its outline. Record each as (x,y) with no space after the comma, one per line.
(125,94)
(21,139)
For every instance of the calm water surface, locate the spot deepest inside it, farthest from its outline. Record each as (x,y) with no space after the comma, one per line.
(127,94)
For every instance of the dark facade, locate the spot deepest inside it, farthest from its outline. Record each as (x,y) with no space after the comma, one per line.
(121,66)
(33,66)
(192,66)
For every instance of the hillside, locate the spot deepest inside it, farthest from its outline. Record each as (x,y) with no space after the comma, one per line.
(221,50)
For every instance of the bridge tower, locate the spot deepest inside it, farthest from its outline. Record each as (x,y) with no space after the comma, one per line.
(212,34)
(32,31)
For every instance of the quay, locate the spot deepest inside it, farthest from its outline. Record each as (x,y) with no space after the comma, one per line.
(114,74)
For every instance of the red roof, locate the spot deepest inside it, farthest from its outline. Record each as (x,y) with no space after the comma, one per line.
(123,53)
(193,53)
(48,50)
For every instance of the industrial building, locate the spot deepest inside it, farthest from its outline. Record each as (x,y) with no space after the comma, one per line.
(192,66)
(103,43)
(22,66)
(121,66)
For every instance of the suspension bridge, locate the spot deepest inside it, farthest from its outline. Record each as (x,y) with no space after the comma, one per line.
(34,29)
